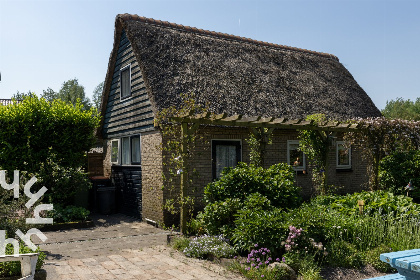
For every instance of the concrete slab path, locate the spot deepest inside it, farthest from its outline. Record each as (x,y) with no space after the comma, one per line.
(120,247)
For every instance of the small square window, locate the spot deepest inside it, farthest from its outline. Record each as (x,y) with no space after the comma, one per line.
(295,157)
(125,82)
(343,155)
(115,144)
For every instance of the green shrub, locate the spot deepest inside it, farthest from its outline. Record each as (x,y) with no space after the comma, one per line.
(266,228)
(62,182)
(35,128)
(344,254)
(377,201)
(13,268)
(219,217)
(396,170)
(208,247)
(276,183)
(180,242)
(68,214)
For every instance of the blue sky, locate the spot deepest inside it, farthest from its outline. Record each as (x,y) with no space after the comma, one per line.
(44,43)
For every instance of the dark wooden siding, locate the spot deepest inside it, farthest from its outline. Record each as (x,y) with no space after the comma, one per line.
(131,115)
(128,192)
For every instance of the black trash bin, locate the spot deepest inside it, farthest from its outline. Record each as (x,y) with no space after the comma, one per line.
(102,196)
(105,200)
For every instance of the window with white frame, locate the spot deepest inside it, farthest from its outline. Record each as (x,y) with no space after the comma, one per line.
(295,157)
(115,151)
(126,151)
(343,155)
(225,153)
(125,82)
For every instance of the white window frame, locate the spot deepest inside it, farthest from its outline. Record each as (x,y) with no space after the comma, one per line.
(118,151)
(338,166)
(121,83)
(296,168)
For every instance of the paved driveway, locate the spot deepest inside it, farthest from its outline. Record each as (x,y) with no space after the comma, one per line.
(120,247)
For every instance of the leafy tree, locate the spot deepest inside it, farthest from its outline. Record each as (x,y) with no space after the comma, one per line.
(97,95)
(71,91)
(379,137)
(402,109)
(21,95)
(49,94)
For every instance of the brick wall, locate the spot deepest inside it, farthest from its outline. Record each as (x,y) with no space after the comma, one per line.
(151,157)
(154,196)
(346,181)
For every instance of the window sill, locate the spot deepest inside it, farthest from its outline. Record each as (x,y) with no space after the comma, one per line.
(340,170)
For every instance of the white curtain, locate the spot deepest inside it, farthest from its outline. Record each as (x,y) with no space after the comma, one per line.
(225,157)
(125,151)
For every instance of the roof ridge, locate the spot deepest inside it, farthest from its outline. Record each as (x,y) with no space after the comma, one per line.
(126,17)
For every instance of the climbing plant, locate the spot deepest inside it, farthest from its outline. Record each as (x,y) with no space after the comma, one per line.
(179,141)
(258,140)
(316,145)
(380,137)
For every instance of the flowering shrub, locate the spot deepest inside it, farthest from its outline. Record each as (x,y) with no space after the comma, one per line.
(209,246)
(298,242)
(256,265)
(258,258)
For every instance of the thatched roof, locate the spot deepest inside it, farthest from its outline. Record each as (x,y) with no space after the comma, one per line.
(236,75)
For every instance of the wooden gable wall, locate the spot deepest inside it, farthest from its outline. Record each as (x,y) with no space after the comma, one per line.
(131,115)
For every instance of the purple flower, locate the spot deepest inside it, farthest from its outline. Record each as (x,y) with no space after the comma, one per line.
(283,259)
(262,276)
(269,258)
(255,245)
(248,268)
(277,260)
(257,267)
(263,253)
(258,259)
(267,262)
(235,257)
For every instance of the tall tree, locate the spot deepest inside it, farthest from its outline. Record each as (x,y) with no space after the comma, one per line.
(71,91)
(97,96)
(402,109)
(49,94)
(21,95)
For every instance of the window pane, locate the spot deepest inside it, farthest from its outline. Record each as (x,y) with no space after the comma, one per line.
(295,156)
(343,155)
(114,151)
(135,149)
(125,82)
(125,150)
(225,157)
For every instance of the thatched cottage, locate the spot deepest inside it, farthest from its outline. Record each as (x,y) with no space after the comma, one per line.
(153,62)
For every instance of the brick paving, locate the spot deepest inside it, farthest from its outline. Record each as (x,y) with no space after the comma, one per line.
(121,248)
